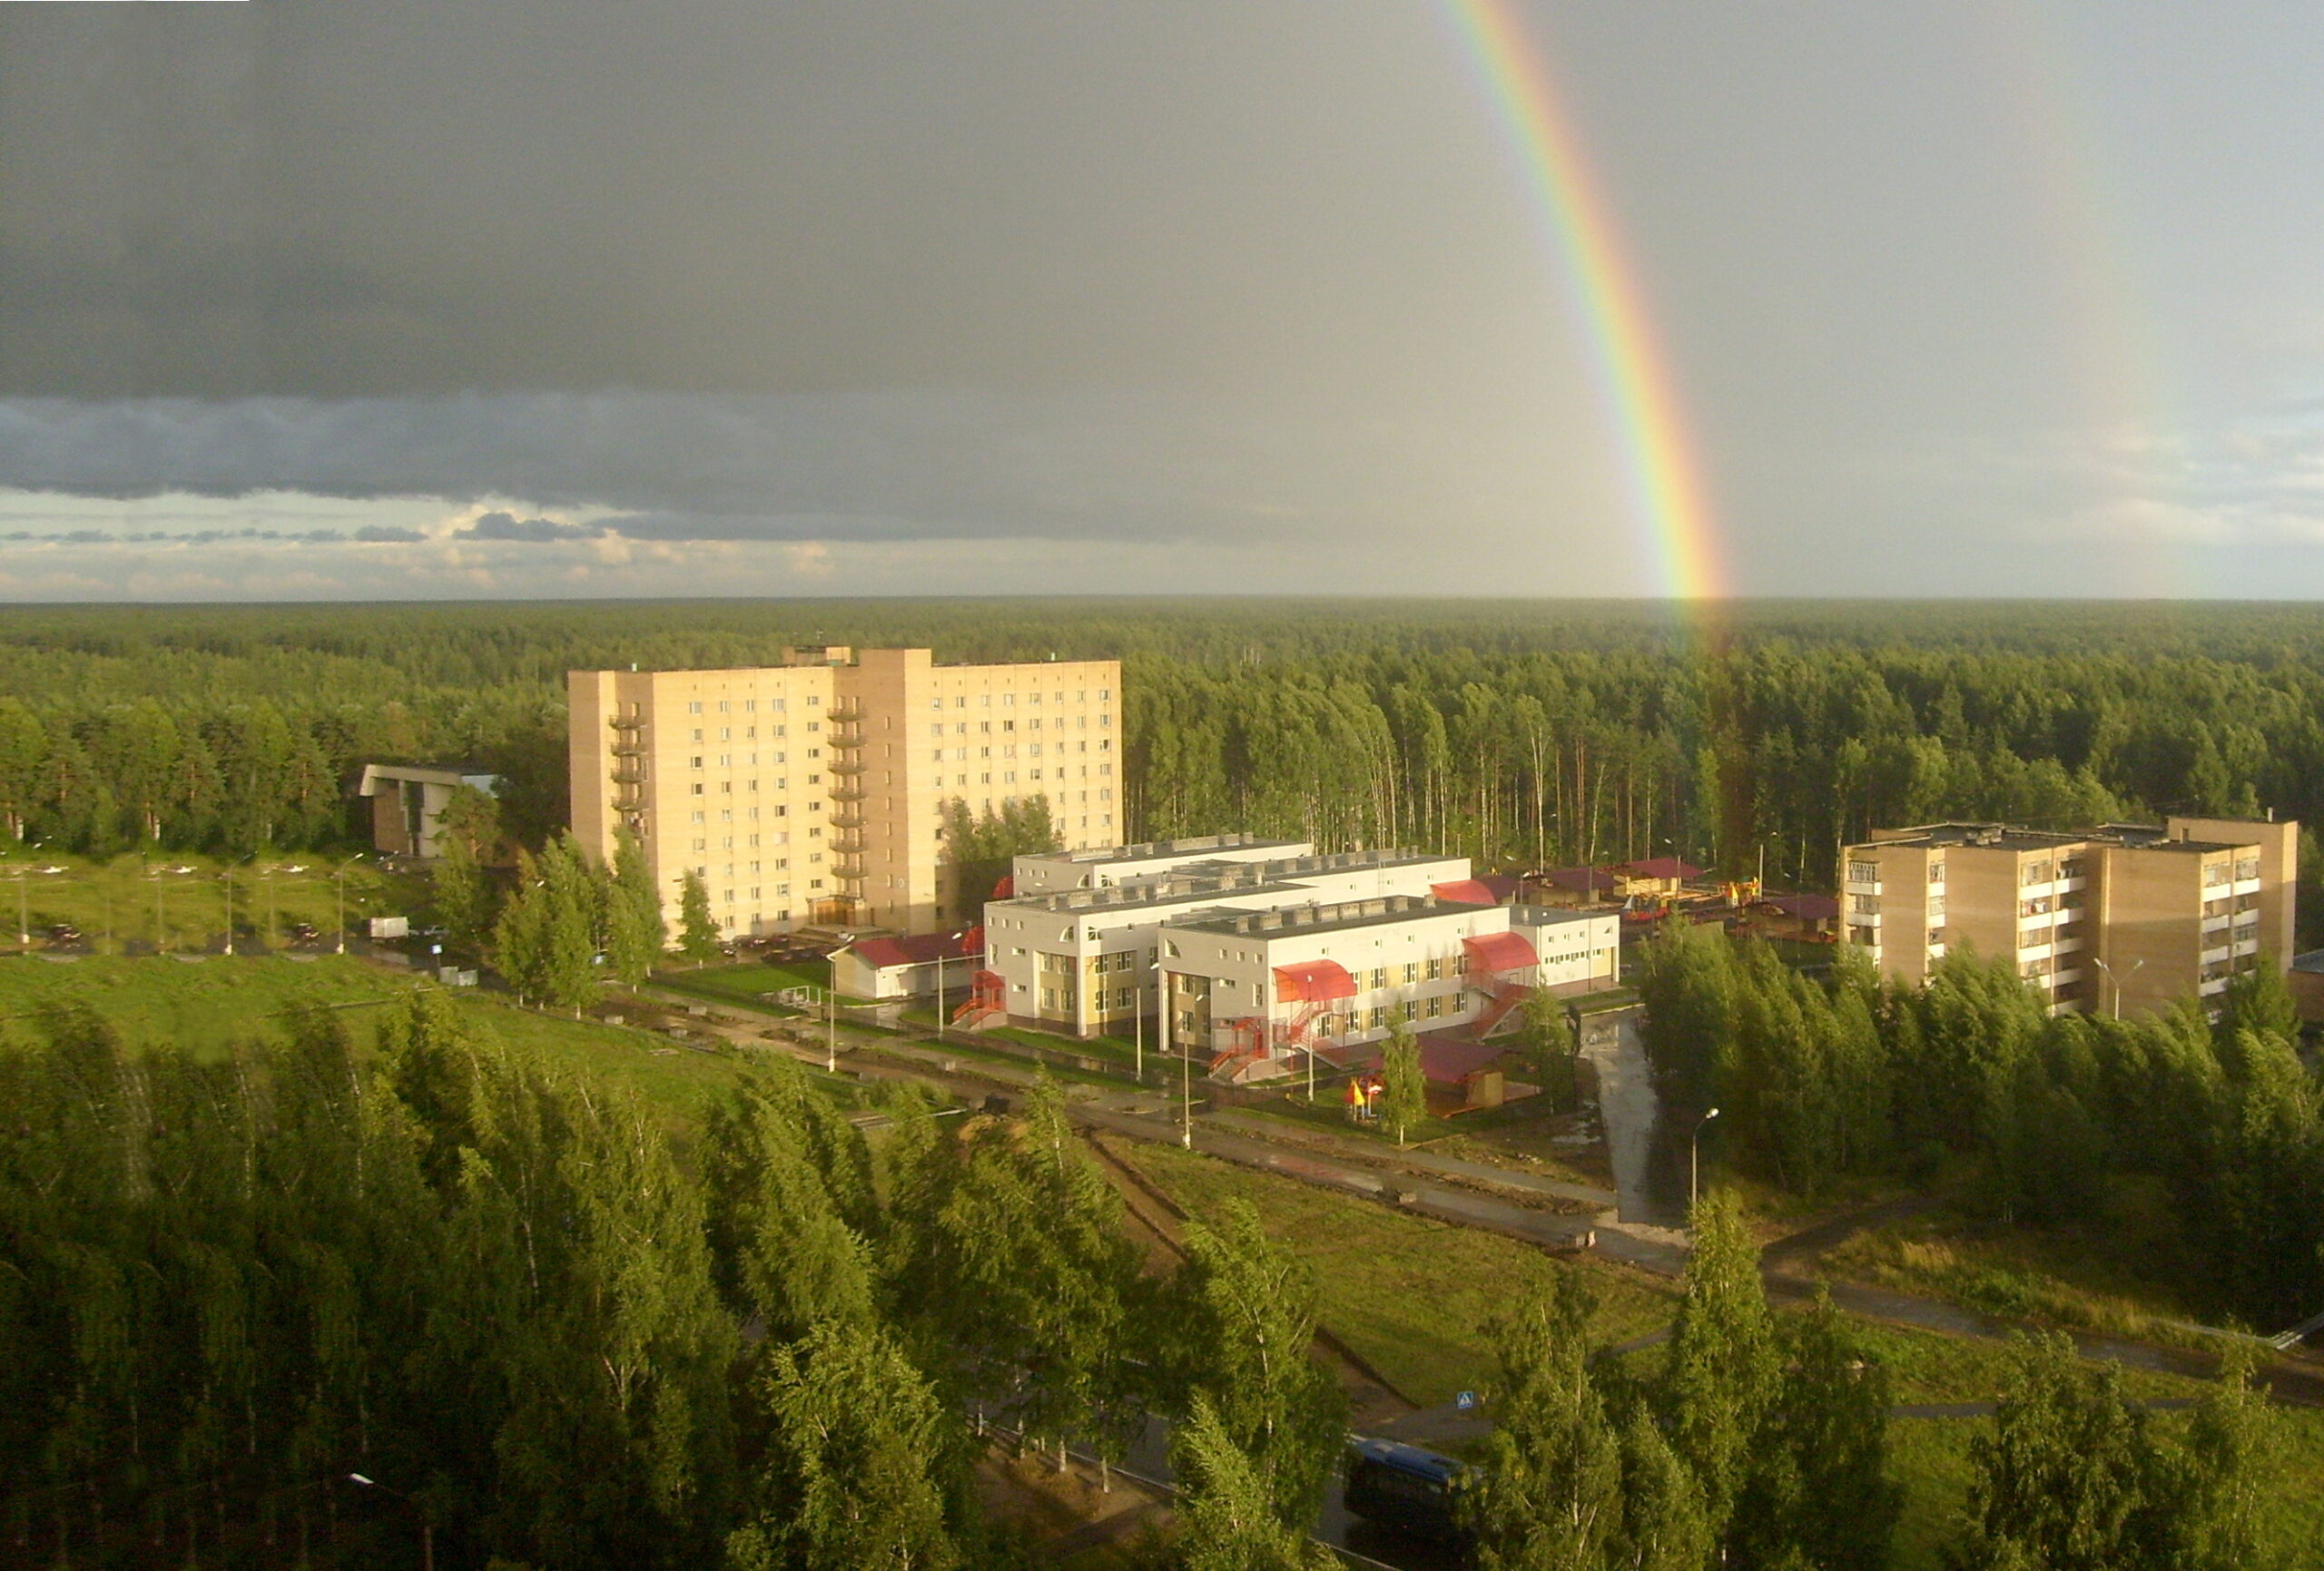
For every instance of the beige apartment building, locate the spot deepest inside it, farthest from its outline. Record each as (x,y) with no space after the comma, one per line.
(2122,918)
(814,791)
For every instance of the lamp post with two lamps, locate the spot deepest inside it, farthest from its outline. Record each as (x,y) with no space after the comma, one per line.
(2117,981)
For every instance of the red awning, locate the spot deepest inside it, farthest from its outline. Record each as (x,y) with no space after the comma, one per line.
(1500,952)
(1312,982)
(1464,892)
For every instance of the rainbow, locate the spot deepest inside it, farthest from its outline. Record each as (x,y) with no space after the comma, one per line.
(1659,465)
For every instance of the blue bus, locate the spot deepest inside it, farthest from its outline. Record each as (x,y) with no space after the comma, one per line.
(1404,1486)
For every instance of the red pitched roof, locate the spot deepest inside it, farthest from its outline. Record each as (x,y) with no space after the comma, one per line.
(918,949)
(1465,892)
(1312,982)
(1806,907)
(1502,887)
(1662,867)
(1450,1060)
(1500,952)
(1580,879)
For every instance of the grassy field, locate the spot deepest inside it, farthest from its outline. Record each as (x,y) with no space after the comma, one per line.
(1413,1295)
(2130,1271)
(205,1004)
(178,900)
(753,984)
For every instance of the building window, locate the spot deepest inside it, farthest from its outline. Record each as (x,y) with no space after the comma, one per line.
(1863,872)
(1379,1017)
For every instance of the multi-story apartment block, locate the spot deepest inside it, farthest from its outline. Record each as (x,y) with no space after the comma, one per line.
(2122,918)
(814,791)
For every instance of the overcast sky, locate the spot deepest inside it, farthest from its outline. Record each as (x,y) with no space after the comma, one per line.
(317,300)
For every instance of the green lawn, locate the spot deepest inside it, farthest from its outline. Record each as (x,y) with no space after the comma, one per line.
(205,1004)
(199,1004)
(1412,1294)
(753,984)
(180,899)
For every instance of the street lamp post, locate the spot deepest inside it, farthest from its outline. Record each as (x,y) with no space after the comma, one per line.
(338,874)
(230,901)
(427,1528)
(1694,1162)
(2117,981)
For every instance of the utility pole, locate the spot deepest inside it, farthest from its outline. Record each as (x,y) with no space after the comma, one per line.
(1137,1027)
(831,1030)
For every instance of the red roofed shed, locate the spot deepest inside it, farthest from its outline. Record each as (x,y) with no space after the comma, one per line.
(905,967)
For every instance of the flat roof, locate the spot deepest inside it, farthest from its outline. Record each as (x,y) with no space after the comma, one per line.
(2007,837)
(1145,893)
(1284,921)
(1558,915)
(1185,845)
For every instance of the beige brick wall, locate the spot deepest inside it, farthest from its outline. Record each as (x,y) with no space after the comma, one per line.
(811,793)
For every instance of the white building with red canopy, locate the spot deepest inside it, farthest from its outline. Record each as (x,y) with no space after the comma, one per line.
(1257,990)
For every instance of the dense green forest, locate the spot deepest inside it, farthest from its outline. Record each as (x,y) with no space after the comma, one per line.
(1539,732)
(548,1337)
(2211,1132)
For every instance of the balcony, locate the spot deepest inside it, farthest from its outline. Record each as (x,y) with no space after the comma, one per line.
(845,714)
(847,845)
(848,868)
(847,821)
(628,722)
(846,793)
(846,766)
(629,774)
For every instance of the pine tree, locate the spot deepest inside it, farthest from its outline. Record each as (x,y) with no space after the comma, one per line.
(697,928)
(1404,1087)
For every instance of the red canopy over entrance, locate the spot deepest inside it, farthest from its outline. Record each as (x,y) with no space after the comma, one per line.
(1500,952)
(1312,982)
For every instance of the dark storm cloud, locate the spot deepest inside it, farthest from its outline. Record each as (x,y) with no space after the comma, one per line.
(1112,274)
(534,531)
(765,466)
